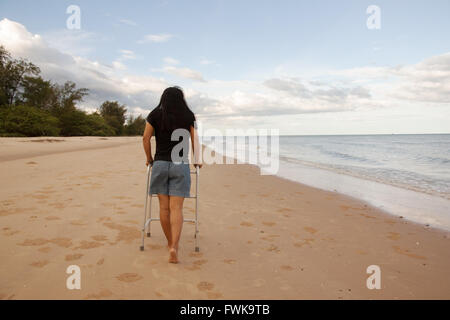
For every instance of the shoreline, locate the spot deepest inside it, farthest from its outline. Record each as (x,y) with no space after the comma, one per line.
(396,201)
(274,238)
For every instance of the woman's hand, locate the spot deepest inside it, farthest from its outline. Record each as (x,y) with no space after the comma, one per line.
(199,165)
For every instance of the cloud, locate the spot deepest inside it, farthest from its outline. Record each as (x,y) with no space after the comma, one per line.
(206,61)
(119,65)
(170,60)
(426,81)
(235,102)
(305,90)
(163,37)
(128,22)
(127,55)
(75,42)
(105,82)
(185,73)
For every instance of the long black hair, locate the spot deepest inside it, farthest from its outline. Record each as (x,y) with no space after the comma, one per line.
(175,111)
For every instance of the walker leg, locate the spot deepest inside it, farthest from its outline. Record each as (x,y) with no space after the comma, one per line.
(145,210)
(150,223)
(197,173)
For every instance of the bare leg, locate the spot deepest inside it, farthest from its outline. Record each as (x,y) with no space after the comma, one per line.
(176,224)
(164,216)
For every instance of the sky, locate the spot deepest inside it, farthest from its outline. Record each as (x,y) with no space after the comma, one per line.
(303,67)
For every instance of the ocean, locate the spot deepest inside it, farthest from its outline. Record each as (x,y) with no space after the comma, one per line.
(405,175)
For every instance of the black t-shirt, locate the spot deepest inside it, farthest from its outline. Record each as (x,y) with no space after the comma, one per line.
(164,144)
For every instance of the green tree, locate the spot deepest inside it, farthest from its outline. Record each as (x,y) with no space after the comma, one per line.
(12,76)
(78,123)
(114,115)
(39,93)
(27,121)
(134,126)
(67,96)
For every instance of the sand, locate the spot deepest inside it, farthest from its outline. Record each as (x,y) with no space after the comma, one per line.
(79,201)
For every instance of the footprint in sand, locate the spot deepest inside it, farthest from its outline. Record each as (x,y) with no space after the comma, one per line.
(31,162)
(101,261)
(287,268)
(104,293)
(126,233)
(57,205)
(200,262)
(393,236)
(406,252)
(40,196)
(33,242)
(268,223)
(304,242)
(270,237)
(39,264)
(99,237)
(62,242)
(285,211)
(259,282)
(45,249)
(367,216)
(214,295)
(229,261)
(75,256)
(129,277)
(52,218)
(78,223)
(310,230)
(84,244)
(192,268)
(273,248)
(196,254)
(246,224)
(8,232)
(205,286)
(121,197)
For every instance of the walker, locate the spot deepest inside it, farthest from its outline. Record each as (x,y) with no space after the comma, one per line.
(147,222)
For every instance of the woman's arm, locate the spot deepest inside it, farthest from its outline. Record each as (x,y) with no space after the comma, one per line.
(196,147)
(148,132)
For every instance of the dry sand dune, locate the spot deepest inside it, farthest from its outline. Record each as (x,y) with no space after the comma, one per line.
(80,201)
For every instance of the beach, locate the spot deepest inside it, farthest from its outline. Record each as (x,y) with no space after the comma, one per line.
(80,201)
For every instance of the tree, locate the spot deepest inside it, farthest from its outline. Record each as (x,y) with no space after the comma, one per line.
(12,76)
(27,121)
(67,96)
(135,126)
(39,93)
(114,115)
(78,123)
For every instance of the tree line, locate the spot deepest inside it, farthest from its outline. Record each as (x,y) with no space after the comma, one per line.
(33,106)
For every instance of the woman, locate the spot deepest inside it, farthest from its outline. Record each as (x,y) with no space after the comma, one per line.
(171,180)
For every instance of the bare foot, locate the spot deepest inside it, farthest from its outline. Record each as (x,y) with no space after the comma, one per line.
(173,257)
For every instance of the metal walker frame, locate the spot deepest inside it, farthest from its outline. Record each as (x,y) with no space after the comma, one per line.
(147,222)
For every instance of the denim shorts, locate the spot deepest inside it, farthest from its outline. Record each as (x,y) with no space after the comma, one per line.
(173,179)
